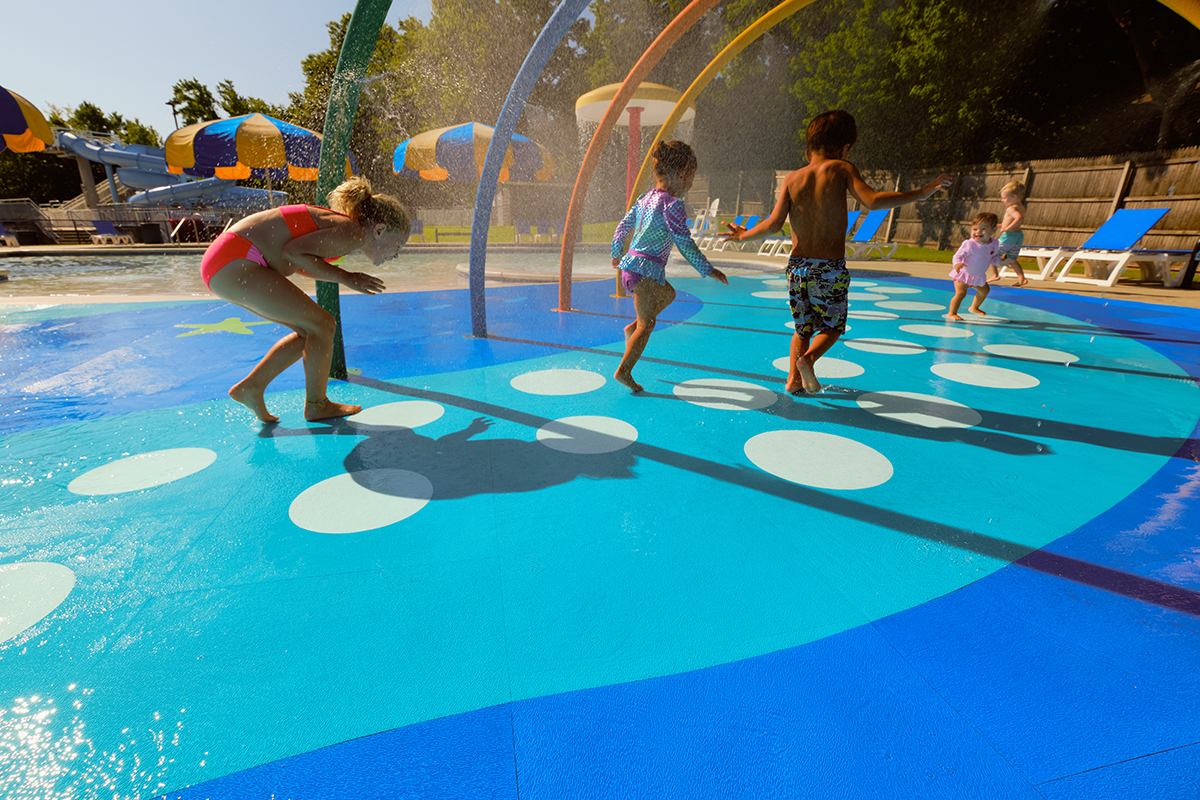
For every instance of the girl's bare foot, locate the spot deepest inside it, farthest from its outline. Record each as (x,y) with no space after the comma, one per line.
(327,409)
(954,317)
(808,378)
(627,379)
(252,399)
(1021,282)
(978,311)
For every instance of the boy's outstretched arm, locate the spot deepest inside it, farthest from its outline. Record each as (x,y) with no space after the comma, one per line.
(773,222)
(874,201)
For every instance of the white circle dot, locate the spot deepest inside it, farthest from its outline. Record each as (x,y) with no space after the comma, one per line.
(360,501)
(1031,353)
(29,591)
(558,381)
(404,414)
(990,319)
(865,283)
(909,305)
(925,410)
(771,295)
(725,394)
(775,282)
(870,314)
(943,331)
(893,347)
(983,375)
(821,460)
(587,435)
(898,290)
(143,471)
(826,367)
(865,296)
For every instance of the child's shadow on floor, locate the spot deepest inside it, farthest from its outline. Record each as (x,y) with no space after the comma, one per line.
(458,466)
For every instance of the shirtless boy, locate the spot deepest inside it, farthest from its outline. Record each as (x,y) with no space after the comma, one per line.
(813,200)
(1011,235)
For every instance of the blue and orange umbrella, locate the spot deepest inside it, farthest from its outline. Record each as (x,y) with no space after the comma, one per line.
(458,152)
(23,129)
(250,146)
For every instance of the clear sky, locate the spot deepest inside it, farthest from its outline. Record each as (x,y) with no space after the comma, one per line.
(125,55)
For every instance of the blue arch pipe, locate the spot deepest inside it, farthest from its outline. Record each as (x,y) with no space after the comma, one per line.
(539,55)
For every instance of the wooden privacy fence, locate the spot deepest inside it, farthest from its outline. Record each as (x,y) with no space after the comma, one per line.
(1068,199)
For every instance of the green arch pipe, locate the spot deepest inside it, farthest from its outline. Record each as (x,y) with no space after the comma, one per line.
(363,32)
(654,53)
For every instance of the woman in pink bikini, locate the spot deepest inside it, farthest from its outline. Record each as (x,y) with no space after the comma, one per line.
(248,265)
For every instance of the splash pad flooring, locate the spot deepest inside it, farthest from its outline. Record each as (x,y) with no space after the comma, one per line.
(969,568)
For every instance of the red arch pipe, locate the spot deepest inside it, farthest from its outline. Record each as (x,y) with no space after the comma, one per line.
(654,53)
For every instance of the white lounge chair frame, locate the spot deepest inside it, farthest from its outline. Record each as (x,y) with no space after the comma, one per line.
(1048,260)
(1118,261)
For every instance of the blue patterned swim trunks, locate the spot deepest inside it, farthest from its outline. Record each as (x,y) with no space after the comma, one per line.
(818,290)
(1010,244)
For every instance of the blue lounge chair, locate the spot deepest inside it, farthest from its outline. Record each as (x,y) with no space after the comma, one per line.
(107,234)
(712,239)
(543,231)
(747,223)
(7,239)
(861,244)
(1114,243)
(417,230)
(523,230)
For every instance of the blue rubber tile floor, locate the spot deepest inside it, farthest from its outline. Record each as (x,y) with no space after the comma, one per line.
(969,567)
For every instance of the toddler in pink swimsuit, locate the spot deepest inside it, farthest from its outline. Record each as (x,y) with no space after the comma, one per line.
(971,263)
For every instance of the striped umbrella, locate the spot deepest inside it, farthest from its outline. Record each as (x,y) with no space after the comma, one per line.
(250,146)
(458,152)
(22,127)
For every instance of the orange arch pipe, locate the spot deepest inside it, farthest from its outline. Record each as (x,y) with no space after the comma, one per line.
(654,53)
(1188,9)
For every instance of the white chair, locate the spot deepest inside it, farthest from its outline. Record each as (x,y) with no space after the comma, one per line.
(860,245)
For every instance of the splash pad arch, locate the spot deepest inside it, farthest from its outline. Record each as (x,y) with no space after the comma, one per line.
(365,25)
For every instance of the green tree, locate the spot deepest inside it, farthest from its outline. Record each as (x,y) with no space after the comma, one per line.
(196,101)
(237,106)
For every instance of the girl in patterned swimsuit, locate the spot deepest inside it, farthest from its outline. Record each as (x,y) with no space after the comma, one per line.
(657,220)
(249,266)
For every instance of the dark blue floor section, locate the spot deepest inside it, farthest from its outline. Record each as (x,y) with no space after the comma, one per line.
(1021,685)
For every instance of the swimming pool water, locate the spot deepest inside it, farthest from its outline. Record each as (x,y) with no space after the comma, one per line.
(98,275)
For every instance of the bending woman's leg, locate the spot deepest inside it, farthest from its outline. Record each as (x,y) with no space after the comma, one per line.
(265,292)
(649,299)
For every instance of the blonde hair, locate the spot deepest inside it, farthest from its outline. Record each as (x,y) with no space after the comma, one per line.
(1014,187)
(354,199)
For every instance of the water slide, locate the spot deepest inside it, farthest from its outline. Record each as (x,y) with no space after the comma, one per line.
(143,167)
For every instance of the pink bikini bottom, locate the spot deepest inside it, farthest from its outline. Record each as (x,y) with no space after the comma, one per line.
(226,248)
